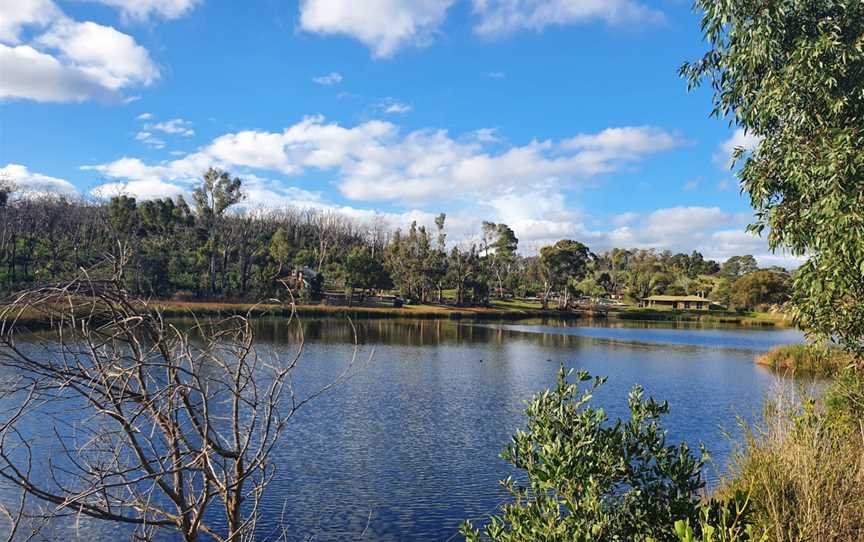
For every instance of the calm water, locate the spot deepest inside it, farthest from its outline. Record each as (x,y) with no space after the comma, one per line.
(408,447)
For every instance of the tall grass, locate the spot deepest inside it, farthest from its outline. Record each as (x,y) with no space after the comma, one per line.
(815,359)
(804,465)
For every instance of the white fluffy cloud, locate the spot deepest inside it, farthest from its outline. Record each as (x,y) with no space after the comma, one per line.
(70,61)
(373,161)
(143,9)
(27,182)
(386,26)
(142,189)
(505,16)
(382,25)
(111,58)
(33,75)
(16,14)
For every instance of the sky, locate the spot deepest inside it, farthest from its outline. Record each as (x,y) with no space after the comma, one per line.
(561,118)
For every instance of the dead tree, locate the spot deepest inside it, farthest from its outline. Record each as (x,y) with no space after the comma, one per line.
(161,427)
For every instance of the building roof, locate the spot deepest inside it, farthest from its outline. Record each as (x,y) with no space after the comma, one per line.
(676,298)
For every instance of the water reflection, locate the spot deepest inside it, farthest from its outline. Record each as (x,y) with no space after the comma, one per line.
(408,447)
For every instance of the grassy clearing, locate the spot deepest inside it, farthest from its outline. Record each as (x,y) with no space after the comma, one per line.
(822,360)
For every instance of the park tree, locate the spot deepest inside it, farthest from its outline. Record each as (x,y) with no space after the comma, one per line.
(499,251)
(738,266)
(761,288)
(435,266)
(563,262)
(364,272)
(791,74)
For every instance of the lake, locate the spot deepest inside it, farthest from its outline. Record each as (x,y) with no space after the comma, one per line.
(407,448)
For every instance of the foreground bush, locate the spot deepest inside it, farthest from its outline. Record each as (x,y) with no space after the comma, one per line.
(589,479)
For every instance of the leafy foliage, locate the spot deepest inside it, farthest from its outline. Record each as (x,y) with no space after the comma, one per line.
(589,479)
(791,72)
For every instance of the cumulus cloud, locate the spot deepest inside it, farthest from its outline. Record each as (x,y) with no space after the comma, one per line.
(506,16)
(331,78)
(144,9)
(70,61)
(31,183)
(111,58)
(374,161)
(382,25)
(16,14)
(724,156)
(142,190)
(30,74)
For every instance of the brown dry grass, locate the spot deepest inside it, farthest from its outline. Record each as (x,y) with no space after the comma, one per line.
(804,467)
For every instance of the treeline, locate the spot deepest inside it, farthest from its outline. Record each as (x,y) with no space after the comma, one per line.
(203,249)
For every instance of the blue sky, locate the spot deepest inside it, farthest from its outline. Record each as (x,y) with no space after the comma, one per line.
(562,118)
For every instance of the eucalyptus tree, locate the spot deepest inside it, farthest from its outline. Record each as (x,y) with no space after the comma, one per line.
(499,251)
(213,197)
(791,74)
(563,262)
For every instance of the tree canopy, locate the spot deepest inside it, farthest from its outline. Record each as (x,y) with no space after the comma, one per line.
(791,73)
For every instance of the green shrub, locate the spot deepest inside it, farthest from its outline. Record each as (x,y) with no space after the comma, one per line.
(591,480)
(722,521)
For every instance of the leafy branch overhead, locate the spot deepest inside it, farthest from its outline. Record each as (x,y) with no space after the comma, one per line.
(791,72)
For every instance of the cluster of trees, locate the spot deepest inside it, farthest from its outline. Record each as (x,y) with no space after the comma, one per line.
(204,249)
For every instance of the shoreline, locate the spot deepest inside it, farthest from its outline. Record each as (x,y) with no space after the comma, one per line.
(502,312)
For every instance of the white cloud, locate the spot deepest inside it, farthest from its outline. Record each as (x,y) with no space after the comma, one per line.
(374,161)
(30,74)
(16,14)
(623,219)
(395,107)
(740,139)
(174,126)
(142,190)
(30,183)
(144,116)
(109,57)
(71,61)
(383,25)
(148,139)
(506,16)
(144,9)
(331,78)
(691,185)
(496,75)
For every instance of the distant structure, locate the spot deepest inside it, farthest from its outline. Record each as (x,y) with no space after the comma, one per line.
(683,302)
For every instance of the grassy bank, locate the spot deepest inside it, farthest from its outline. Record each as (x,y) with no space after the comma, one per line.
(802,467)
(498,310)
(821,360)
